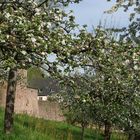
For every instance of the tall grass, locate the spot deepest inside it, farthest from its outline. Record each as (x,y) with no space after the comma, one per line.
(30,128)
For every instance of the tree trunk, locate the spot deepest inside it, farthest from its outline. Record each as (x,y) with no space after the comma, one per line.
(131,137)
(107,131)
(83,131)
(10,99)
(137,137)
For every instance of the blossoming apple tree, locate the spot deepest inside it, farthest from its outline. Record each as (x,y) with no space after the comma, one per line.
(30,30)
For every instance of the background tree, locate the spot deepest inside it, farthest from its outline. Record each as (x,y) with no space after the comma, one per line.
(132,34)
(75,104)
(112,89)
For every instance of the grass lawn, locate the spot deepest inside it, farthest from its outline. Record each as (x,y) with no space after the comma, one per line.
(30,128)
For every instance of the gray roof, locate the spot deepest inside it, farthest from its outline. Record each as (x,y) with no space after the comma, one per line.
(45,87)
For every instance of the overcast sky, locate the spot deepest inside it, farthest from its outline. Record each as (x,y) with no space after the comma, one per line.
(90,12)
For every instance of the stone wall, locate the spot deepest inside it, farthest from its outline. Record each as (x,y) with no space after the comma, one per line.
(50,110)
(26,101)
(2,94)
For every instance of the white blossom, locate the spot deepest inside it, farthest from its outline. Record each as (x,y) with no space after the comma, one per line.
(37,10)
(2,41)
(23,46)
(127,62)
(7,36)
(136,67)
(63,42)
(84,100)
(77,97)
(33,39)
(23,64)
(7,15)
(29,59)
(57,18)
(103,50)
(43,53)
(48,24)
(24,52)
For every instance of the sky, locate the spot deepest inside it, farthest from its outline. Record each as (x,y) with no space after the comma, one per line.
(91,12)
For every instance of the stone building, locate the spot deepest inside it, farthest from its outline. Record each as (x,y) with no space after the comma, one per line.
(48,109)
(45,87)
(26,99)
